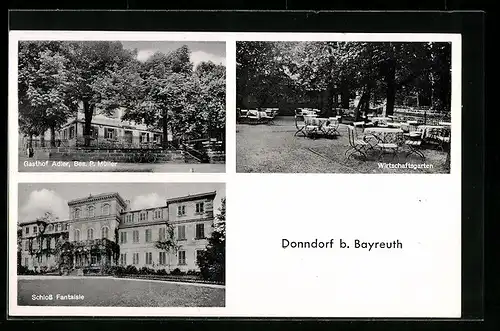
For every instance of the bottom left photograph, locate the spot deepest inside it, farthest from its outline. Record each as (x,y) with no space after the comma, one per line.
(121,244)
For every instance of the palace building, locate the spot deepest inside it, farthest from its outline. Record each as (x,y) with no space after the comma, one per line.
(102,231)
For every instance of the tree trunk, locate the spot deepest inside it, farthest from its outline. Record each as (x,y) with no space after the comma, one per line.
(52,136)
(42,139)
(390,79)
(344,98)
(89,112)
(30,143)
(164,124)
(363,102)
(329,100)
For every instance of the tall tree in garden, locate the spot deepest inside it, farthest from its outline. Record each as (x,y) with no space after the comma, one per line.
(91,61)
(212,261)
(167,90)
(44,88)
(211,105)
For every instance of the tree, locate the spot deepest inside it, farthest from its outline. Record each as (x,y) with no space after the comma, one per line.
(45,83)
(212,261)
(91,61)
(169,244)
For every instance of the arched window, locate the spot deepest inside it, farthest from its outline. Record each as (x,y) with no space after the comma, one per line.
(91,211)
(77,235)
(105,210)
(90,234)
(104,232)
(77,213)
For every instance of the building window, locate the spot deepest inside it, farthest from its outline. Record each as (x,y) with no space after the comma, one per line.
(200,207)
(27,230)
(129,218)
(182,257)
(50,227)
(71,132)
(66,227)
(135,236)
(200,231)
(142,216)
(105,209)
(198,254)
(77,213)
(148,235)
(162,257)
(91,211)
(149,258)
(26,261)
(181,210)
(77,235)
(65,134)
(158,214)
(104,232)
(94,132)
(161,234)
(90,234)
(35,229)
(123,237)
(181,232)
(26,245)
(157,138)
(123,259)
(135,258)
(110,133)
(144,137)
(57,227)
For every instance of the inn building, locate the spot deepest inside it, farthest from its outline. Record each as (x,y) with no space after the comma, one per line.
(103,231)
(106,129)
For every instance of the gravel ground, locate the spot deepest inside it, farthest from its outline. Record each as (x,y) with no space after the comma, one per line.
(274,148)
(119,293)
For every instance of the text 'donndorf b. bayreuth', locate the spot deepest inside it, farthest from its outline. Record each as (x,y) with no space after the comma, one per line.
(340,243)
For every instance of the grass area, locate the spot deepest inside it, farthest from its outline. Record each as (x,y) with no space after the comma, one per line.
(119,293)
(274,148)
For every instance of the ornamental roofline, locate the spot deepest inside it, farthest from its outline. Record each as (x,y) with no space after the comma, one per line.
(192,197)
(98,197)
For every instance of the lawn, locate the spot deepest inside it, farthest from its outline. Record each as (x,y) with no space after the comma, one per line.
(274,148)
(119,293)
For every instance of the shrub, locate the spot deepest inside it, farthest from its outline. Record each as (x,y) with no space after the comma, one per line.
(177,272)
(131,270)
(193,272)
(161,272)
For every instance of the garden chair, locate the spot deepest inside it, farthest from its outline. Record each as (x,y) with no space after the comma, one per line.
(440,136)
(331,127)
(371,139)
(311,126)
(414,143)
(390,146)
(300,127)
(355,144)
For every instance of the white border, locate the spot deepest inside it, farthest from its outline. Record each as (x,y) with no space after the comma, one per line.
(230,177)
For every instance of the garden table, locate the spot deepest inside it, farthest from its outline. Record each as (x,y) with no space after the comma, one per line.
(425,129)
(385,135)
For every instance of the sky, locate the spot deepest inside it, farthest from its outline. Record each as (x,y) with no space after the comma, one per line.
(36,199)
(200,50)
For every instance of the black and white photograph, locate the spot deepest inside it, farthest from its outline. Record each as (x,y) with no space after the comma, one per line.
(121,245)
(121,105)
(343,107)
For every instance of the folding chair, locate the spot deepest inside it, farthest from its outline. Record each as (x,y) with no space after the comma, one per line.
(356,144)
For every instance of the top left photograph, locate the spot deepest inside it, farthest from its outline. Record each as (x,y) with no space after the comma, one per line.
(121,106)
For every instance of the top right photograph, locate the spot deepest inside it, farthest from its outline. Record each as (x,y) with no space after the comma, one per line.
(343,107)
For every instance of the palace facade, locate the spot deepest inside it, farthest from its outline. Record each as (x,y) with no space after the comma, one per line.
(102,231)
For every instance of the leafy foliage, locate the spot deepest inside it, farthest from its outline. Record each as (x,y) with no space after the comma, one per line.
(212,260)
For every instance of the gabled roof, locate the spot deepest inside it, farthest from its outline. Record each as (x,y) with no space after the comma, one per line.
(190,197)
